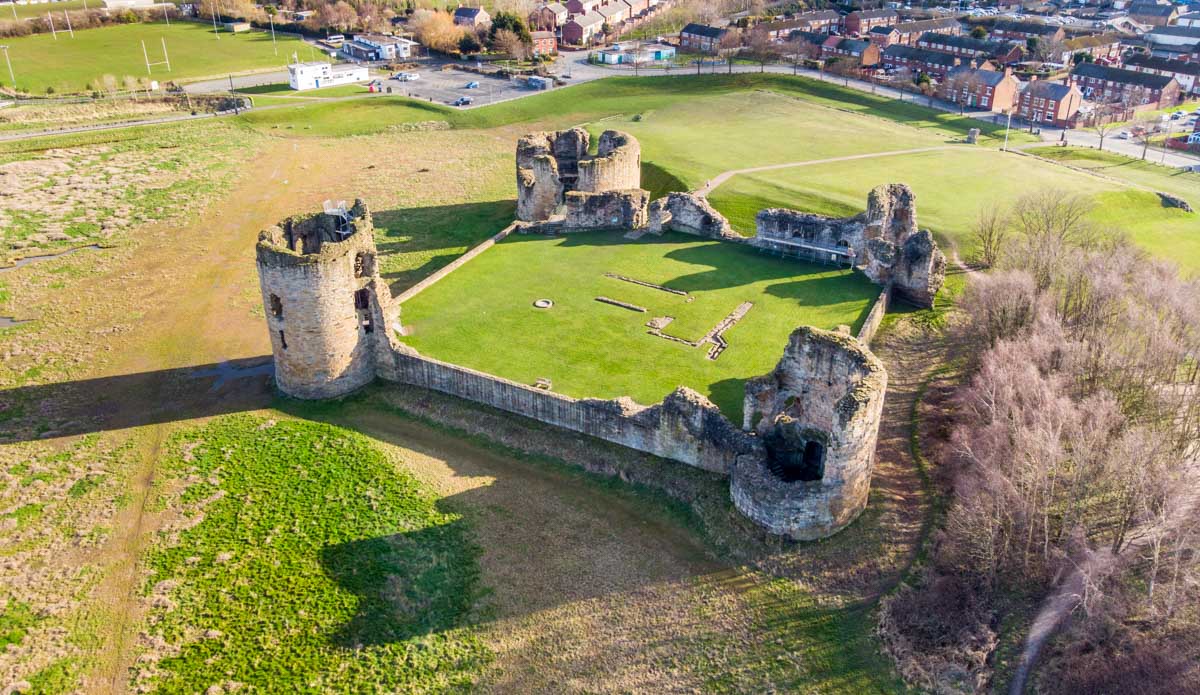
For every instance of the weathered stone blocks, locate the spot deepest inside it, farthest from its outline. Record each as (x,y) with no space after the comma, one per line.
(328,311)
(818,414)
(883,242)
(607,210)
(552,164)
(690,214)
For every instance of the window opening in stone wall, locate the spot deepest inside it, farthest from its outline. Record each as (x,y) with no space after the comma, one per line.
(276,306)
(362,299)
(282,341)
(360,264)
(368,325)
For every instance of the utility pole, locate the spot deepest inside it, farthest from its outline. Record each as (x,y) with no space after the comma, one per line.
(10,70)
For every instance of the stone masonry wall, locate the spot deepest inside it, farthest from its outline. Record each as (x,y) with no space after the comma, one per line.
(608,210)
(690,214)
(319,336)
(685,426)
(886,243)
(617,165)
(827,388)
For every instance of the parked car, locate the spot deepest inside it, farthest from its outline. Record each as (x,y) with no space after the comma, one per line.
(462,101)
(406,76)
(1178,115)
(472,85)
(1123,135)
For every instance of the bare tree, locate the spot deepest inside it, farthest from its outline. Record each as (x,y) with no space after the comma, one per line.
(509,43)
(992,231)
(729,45)
(761,49)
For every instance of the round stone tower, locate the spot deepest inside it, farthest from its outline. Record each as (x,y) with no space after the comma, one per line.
(328,311)
(818,416)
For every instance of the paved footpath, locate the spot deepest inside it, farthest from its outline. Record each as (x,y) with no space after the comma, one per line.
(724,176)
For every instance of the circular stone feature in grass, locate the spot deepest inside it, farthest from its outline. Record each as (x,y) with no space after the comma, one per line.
(543,304)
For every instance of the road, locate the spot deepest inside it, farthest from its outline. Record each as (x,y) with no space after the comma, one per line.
(584,71)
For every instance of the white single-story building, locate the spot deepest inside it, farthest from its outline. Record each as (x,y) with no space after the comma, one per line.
(303,76)
(631,51)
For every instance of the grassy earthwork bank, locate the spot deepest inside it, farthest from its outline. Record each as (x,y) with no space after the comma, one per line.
(308,561)
(953,186)
(69,64)
(482,315)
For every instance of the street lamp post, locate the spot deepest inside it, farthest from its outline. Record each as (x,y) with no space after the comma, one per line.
(1006,127)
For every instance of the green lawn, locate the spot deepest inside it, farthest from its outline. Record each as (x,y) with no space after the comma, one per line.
(311,564)
(71,64)
(697,139)
(620,96)
(482,315)
(40,9)
(952,186)
(1185,184)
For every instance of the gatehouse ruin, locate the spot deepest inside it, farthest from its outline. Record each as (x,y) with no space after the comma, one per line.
(800,463)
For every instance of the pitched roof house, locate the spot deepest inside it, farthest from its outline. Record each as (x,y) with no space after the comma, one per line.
(974,88)
(1186,73)
(472,17)
(1053,103)
(1136,90)
(701,37)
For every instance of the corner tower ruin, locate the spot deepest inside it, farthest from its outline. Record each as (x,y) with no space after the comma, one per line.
(817,414)
(328,311)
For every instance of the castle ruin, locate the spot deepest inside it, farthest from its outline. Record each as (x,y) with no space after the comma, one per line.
(799,465)
(326,306)
(558,180)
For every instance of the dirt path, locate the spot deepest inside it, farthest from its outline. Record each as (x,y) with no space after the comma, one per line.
(724,176)
(189,285)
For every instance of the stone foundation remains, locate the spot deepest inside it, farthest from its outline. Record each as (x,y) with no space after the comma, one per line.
(883,242)
(624,209)
(689,214)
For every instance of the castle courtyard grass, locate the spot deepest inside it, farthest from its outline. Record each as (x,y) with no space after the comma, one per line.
(72,64)
(482,315)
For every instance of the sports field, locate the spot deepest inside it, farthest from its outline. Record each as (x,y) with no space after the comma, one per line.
(483,315)
(72,64)
(40,9)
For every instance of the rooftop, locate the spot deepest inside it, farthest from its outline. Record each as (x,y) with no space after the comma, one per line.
(1141,79)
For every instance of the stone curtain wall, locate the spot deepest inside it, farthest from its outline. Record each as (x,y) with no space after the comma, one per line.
(867,333)
(685,426)
(887,245)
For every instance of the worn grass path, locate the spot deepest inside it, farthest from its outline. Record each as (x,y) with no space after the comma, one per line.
(724,176)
